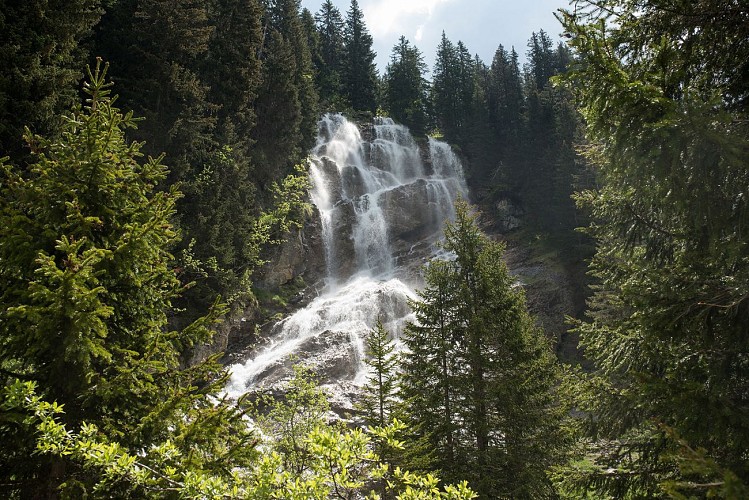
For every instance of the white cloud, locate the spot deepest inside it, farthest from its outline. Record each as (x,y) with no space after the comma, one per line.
(387,17)
(419,33)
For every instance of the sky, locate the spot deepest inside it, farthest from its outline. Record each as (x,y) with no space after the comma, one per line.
(482,25)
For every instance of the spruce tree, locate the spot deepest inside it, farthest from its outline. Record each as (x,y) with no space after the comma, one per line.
(405,87)
(220,202)
(505,105)
(232,69)
(359,71)
(330,27)
(285,17)
(279,110)
(664,99)
(312,37)
(42,51)
(479,377)
(168,42)
(87,284)
(379,398)
(444,88)
(430,362)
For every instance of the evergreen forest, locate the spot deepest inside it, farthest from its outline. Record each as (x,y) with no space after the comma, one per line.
(154,164)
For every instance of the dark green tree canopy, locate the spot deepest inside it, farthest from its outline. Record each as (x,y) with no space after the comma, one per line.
(452,89)
(479,377)
(42,53)
(359,71)
(405,91)
(330,28)
(87,283)
(663,97)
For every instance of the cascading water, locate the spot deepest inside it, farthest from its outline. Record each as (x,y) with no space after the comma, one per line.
(382,204)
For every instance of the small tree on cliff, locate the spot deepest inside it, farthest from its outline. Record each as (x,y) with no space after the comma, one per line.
(379,400)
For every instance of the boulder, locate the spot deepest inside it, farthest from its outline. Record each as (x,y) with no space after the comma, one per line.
(331,355)
(508,216)
(415,212)
(342,251)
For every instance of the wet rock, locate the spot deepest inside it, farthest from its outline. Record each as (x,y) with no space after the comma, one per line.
(415,213)
(550,295)
(352,182)
(329,172)
(302,254)
(342,252)
(331,355)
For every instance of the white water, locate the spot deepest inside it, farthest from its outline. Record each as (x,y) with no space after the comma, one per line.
(381,211)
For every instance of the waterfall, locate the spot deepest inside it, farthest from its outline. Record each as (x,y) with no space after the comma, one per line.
(382,203)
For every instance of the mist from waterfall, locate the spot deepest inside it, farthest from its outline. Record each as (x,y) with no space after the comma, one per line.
(382,203)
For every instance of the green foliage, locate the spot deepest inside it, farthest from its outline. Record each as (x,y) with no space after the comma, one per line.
(452,90)
(479,379)
(290,420)
(231,104)
(359,74)
(667,336)
(322,460)
(232,69)
(111,469)
(169,41)
(379,398)
(41,56)
(338,464)
(518,133)
(379,402)
(87,282)
(330,27)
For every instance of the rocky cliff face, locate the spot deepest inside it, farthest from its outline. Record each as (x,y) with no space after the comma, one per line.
(382,200)
(298,265)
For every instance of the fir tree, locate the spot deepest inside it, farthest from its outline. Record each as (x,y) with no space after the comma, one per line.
(330,27)
(430,362)
(664,101)
(359,71)
(232,69)
(279,110)
(285,17)
(41,56)
(405,87)
(168,43)
(380,390)
(505,104)
(87,283)
(444,88)
(476,358)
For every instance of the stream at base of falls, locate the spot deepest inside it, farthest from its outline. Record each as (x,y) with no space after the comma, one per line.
(382,200)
